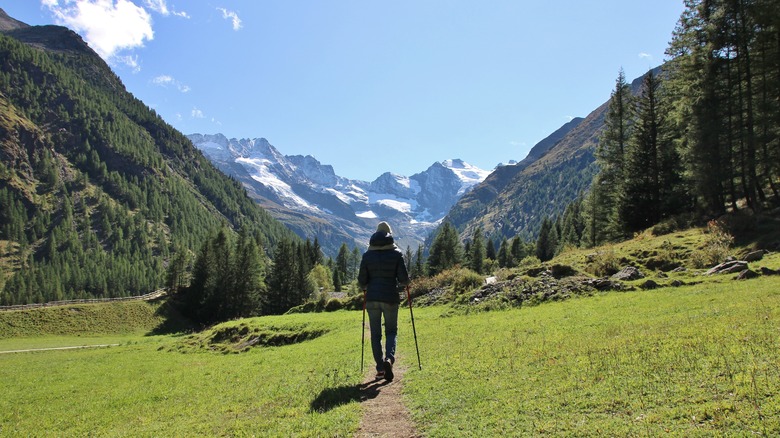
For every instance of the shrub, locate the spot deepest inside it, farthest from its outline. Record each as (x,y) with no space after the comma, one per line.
(529,261)
(603,263)
(334,304)
(716,247)
(466,280)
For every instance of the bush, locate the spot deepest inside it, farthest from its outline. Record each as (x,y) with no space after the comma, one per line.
(334,304)
(716,247)
(466,280)
(672,224)
(603,263)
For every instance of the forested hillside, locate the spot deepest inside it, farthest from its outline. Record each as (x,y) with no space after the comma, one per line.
(699,136)
(96,191)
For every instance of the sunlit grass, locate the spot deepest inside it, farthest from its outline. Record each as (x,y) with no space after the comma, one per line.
(143,388)
(693,361)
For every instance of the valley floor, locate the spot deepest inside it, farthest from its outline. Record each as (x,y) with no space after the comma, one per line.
(698,360)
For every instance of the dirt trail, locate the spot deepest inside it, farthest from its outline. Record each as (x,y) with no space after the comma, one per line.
(59,348)
(384,412)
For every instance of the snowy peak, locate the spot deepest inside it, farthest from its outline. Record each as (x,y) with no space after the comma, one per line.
(468,174)
(301,184)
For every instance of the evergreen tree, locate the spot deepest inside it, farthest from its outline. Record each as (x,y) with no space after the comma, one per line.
(282,292)
(652,190)
(477,251)
(343,264)
(248,282)
(547,241)
(610,156)
(418,269)
(446,251)
(490,250)
(504,255)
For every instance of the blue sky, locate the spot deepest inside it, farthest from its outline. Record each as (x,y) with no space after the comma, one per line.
(370,86)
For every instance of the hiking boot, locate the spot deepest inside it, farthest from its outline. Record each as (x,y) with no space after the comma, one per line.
(388,364)
(380,375)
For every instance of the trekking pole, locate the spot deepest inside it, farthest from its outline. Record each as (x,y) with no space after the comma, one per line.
(409,298)
(363,334)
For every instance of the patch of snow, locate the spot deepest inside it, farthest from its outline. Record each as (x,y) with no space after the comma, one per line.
(404,207)
(367,215)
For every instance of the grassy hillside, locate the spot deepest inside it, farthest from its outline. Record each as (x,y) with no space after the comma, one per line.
(126,317)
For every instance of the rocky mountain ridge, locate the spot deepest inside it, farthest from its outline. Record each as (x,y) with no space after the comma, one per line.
(339,210)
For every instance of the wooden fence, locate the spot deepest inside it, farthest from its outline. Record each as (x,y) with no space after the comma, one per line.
(150,296)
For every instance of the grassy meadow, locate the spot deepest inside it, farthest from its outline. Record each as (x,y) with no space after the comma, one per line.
(701,359)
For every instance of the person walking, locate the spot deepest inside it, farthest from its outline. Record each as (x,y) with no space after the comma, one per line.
(382,276)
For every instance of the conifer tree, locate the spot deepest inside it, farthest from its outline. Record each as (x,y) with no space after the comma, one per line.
(650,190)
(610,156)
(477,251)
(547,241)
(446,251)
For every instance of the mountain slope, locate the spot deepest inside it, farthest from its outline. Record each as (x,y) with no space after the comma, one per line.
(312,200)
(513,200)
(96,190)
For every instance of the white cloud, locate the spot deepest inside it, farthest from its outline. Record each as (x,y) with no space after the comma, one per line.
(128,60)
(644,55)
(232,16)
(197,114)
(161,7)
(518,143)
(166,80)
(108,26)
(162,80)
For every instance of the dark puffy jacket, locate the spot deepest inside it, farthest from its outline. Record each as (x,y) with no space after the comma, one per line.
(382,270)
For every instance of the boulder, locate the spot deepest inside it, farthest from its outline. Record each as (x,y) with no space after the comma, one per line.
(754,256)
(767,271)
(603,284)
(562,271)
(628,273)
(728,267)
(747,274)
(535,272)
(676,283)
(649,284)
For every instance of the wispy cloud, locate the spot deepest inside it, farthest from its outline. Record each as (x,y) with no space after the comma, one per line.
(518,143)
(197,114)
(166,81)
(226,14)
(161,7)
(644,55)
(108,26)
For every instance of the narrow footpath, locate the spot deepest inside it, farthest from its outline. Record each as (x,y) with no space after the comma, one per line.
(58,348)
(384,414)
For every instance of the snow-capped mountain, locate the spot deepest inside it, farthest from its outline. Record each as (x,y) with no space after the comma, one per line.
(310,198)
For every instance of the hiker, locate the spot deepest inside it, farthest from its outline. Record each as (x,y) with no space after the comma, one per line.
(382,275)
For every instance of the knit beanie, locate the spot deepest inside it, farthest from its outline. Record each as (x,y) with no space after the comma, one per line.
(384,227)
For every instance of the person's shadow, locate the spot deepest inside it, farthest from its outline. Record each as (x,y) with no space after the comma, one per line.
(330,398)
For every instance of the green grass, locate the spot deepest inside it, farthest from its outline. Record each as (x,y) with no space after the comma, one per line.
(693,361)
(697,360)
(123,317)
(145,388)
